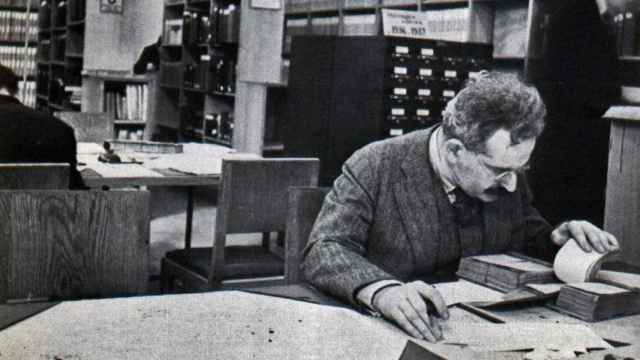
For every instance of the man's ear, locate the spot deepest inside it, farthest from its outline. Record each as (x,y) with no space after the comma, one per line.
(453,149)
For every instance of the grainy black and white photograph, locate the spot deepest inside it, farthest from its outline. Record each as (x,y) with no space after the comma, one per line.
(319,179)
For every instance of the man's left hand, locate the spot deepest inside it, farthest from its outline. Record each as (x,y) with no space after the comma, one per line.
(587,235)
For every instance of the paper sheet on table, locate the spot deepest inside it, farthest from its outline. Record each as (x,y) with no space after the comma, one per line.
(572,264)
(463,291)
(522,335)
(122,170)
(631,281)
(202,167)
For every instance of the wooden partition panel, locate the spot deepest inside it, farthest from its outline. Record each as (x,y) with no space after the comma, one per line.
(34,176)
(304,205)
(623,188)
(72,244)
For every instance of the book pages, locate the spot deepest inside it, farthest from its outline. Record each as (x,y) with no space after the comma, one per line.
(574,265)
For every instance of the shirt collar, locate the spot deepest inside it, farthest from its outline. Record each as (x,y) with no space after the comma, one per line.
(437,162)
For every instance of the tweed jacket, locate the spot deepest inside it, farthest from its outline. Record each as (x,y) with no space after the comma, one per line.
(386,218)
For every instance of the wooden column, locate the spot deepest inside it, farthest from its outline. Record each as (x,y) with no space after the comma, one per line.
(259,64)
(622,209)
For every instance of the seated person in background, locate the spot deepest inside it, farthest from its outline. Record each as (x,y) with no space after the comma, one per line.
(413,206)
(30,136)
(149,59)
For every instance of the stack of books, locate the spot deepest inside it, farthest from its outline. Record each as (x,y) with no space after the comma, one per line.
(575,281)
(505,272)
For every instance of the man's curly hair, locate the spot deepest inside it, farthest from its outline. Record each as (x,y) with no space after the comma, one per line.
(491,102)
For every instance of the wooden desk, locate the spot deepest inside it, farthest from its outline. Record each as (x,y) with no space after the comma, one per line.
(622,210)
(158,170)
(226,325)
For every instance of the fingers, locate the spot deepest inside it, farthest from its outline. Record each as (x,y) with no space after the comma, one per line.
(398,316)
(420,307)
(578,234)
(589,236)
(408,306)
(431,294)
(612,242)
(425,330)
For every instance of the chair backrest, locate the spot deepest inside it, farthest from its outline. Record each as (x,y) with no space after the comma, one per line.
(253,197)
(70,244)
(304,205)
(88,127)
(34,176)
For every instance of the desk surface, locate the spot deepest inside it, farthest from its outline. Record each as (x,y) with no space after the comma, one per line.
(198,165)
(232,325)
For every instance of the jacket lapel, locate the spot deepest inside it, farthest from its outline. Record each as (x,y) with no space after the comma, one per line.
(416,200)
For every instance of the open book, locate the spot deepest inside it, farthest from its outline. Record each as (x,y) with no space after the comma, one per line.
(582,289)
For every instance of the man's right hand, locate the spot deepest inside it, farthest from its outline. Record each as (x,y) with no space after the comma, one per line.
(408,305)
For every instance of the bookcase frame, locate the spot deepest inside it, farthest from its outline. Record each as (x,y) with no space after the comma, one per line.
(175,102)
(67,65)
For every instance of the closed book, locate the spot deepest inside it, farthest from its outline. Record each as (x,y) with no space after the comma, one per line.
(592,301)
(505,272)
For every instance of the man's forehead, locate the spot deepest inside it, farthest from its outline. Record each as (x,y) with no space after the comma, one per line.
(504,153)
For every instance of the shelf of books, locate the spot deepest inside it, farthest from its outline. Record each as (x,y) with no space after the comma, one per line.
(130,100)
(505,24)
(127,103)
(18,33)
(60,54)
(197,70)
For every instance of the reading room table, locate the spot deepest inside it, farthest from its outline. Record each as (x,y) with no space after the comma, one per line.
(283,322)
(197,165)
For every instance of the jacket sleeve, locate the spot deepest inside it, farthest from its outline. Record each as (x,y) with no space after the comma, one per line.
(536,231)
(334,259)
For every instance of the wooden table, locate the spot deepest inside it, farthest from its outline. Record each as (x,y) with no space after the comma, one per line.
(238,325)
(159,170)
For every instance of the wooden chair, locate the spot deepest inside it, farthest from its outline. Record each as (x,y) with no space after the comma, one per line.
(34,176)
(304,205)
(88,127)
(252,199)
(63,244)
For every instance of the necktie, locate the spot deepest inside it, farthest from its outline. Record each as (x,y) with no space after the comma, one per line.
(465,208)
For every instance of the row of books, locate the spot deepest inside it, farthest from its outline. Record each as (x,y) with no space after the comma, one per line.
(17,26)
(128,104)
(220,26)
(16,3)
(219,126)
(27,93)
(129,134)
(627,28)
(213,73)
(18,60)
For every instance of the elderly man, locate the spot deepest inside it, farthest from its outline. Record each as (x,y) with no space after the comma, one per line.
(412,206)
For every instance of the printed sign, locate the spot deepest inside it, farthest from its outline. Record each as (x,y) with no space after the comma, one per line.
(111,6)
(446,24)
(266,4)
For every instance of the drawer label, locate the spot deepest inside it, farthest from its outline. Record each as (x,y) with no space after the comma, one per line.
(400,91)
